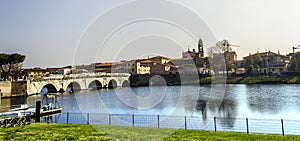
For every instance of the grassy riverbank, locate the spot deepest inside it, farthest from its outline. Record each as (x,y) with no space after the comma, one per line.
(245,80)
(42,131)
(264,80)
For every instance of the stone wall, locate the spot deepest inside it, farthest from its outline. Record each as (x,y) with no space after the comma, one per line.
(12,89)
(18,88)
(5,88)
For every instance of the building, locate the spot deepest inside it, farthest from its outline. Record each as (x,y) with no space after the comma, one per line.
(193,54)
(184,66)
(153,65)
(230,61)
(129,66)
(159,68)
(160,59)
(239,67)
(189,54)
(36,72)
(84,68)
(272,63)
(109,67)
(143,66)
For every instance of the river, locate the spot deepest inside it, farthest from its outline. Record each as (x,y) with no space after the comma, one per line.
(280,101)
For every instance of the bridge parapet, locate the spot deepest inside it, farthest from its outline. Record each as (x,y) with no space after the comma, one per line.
(81,81)
(82,75)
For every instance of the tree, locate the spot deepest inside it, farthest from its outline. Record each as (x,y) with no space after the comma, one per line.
(253,63)
(295,62)
(224,45)
(11,64)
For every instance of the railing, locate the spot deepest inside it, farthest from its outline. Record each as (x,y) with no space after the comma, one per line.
(81,76)
(247,125)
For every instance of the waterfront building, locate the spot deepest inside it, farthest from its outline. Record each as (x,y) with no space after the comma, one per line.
(160,59)
(128,66)
(109,67)
(184,66)
(159,68)
(272,63)
(36,72)
(153,65)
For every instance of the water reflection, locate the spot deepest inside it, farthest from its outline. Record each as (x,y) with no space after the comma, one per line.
(239,101)
(266,99)
(227,110)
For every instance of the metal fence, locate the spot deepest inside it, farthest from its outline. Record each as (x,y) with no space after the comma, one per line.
(247,125)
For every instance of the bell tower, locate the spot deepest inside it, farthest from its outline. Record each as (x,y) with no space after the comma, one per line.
(200,48)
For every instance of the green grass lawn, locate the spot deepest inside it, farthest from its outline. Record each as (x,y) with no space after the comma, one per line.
(43,131)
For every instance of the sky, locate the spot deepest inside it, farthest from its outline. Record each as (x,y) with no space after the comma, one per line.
(54,33)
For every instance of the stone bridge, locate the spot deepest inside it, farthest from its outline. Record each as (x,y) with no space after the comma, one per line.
(78,82)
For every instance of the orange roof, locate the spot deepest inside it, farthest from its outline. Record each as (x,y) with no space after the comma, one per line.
(147,61)
(104,65)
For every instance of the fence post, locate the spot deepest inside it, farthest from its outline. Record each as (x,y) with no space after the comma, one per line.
(185,123)
(247,125)
(38,111)
(282,127)
(67,117)
(88,118)
(132,119)
(215,123)
(157,121)
(109,119)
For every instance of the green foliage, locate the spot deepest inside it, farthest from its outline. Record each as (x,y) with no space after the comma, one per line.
(206,80)
(234,80)
(263,80)
(15,58)
(253,63)
(3,59)
(293,80)
(11,64)
(295,62)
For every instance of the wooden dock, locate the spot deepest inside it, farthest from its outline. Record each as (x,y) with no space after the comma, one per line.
(47,112)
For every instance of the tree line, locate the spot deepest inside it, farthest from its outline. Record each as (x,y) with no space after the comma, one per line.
(11,65)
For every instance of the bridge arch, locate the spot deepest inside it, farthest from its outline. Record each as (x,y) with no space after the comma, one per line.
(112,84)
(73,86)
(125,83)
(95,85)
(48,88)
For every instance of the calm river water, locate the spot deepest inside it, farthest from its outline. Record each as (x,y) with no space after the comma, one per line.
(238,101)
(266,102)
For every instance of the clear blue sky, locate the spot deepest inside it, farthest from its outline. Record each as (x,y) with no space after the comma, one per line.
(54,33)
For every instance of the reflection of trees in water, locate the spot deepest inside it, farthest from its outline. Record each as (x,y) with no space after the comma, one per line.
(264,99)
(226,112)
